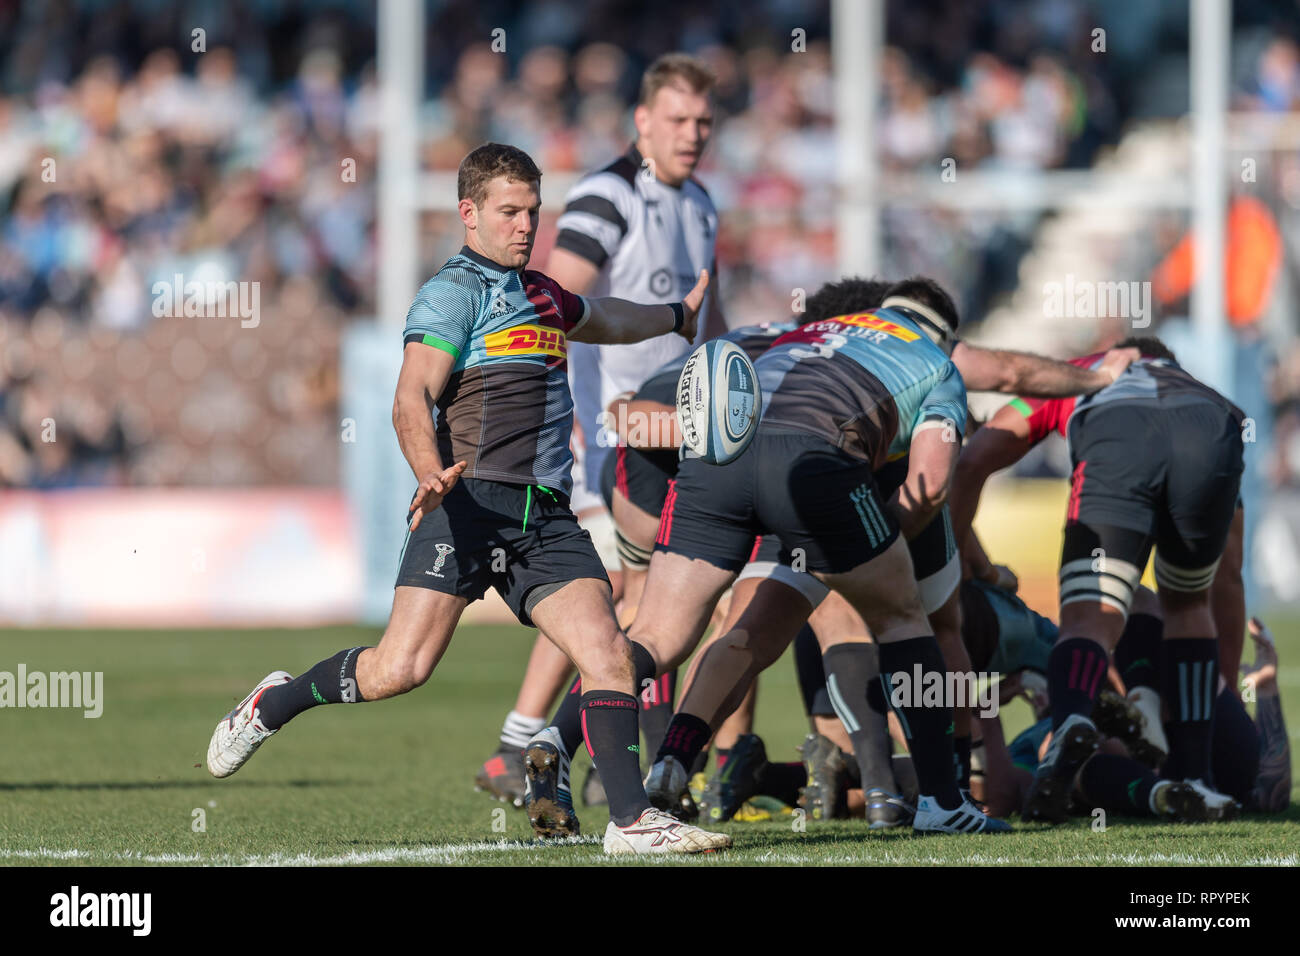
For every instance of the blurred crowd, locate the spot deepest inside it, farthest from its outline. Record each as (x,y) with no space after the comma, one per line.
(132,151)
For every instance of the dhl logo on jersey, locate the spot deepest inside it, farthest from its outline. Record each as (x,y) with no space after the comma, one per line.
(527,340)
(868,320)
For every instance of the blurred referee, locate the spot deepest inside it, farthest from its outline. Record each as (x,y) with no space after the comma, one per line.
(640,228)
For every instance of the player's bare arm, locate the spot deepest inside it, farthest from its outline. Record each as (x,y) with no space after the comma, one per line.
(614,321)
(999,370)
(1002,442)
(931,461)
(423,376)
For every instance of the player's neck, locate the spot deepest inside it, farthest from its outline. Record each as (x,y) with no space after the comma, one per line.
(638,152)
(486,258)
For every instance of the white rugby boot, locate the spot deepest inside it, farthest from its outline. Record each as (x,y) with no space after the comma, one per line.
(240,732)
(657,832)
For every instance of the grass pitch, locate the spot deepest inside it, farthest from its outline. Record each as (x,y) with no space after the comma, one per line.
(391,783)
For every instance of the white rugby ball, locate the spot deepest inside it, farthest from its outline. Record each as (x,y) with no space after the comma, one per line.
(718,401)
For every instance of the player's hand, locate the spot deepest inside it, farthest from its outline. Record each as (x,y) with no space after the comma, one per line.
(1116,360)
(692,304)
(1263,673)
(1005,578)
(433,488)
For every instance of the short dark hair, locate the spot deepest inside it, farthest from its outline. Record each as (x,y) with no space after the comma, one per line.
(929,293)
(845,297)
(670,68)
(488,162)
(1148,345)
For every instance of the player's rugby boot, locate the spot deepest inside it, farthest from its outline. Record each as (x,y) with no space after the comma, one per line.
(240,732)
(547,796)
(968,818)
(735,783)
(822,796)
(887,810)
(666,786)
(1049,796)
(657,832)
(1152,746)
(1191,801)
(1123,719)
(502,775)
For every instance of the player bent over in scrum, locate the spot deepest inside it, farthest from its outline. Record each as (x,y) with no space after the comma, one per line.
(1157,459)
(841,397)
(485,340)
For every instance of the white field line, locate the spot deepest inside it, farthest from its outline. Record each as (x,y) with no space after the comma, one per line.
(450,853)
(463,852)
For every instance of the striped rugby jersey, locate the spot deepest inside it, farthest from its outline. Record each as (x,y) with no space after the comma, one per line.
(866,383)
(649,240)
(506,409)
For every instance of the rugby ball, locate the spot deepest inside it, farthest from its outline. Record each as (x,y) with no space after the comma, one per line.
(718,401)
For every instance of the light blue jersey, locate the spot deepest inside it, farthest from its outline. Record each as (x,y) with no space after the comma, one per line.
(867,383)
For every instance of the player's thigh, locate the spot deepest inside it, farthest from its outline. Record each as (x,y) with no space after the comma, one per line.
(1120,459)
(579,619)
(678,600)
(883,591)
(1201,494)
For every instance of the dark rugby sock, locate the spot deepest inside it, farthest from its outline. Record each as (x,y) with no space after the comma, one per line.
(686,737)
(1190,682)
(1137,655)
(781,780)
(723,757)
(1119,784)
(567,716)
(657,708)
(332,681)
(850,671)
(1075,670)
(928,729)
(609,721)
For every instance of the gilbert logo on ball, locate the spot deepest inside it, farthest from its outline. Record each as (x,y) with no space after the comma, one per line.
(718,401)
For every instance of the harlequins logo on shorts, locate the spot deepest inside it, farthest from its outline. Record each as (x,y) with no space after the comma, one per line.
(443,551)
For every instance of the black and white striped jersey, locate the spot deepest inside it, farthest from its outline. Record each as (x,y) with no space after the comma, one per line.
(650,241)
